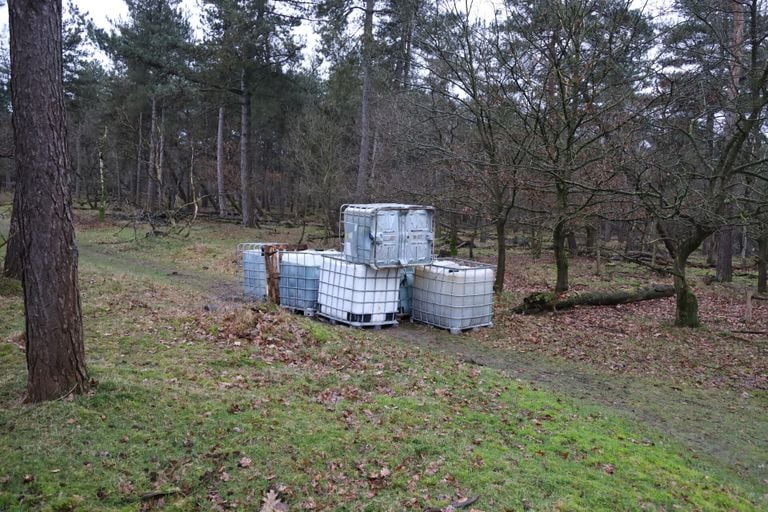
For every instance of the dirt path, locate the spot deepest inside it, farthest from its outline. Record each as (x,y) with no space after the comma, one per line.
(212,286)
(725,425)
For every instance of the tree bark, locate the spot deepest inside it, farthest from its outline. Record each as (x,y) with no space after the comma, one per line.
(501,253)
(160,159)
(151,183)
(724,268)
(762,264)
(687,306)
(246,198)
(559,237)
(361,188)
(13,265)
(137,197)
(220,163)
(540,302)
(54,329)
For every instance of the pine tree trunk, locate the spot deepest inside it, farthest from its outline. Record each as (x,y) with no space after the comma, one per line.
(220,163)
(137,188)
(54,330)
(361,188)
(160,160)
(246,198)
(151,183)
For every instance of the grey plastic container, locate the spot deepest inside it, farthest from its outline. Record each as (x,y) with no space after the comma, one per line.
(254,269)
(356,294)
(453,294)
(388,235)
(300,278)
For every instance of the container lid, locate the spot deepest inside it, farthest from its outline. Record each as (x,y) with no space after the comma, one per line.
(386,206)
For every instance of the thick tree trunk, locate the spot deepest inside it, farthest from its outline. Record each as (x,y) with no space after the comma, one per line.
(559,237)
(687,307)
(540,302)
(361,187)
(151,183)
(13,264)
(220,163)
(724,269)
(246,197)
(54,328)
(762,264)
(501,254)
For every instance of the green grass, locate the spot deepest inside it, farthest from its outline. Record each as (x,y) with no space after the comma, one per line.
(215,408)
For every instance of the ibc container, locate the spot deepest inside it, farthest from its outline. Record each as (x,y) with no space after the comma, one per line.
(300,277)
(453,294)
(254,269)
(387,235)
(356,294)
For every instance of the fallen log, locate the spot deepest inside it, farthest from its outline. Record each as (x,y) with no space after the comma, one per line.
(550,301)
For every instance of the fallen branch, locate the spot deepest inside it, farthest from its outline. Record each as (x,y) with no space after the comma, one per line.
(548,301)
(159,494)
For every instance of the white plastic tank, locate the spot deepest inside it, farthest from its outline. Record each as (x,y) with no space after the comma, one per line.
(388,235)
(300,278)
(453,294)
(356,294)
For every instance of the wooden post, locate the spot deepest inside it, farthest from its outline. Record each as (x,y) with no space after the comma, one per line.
(272,264)
(748,310)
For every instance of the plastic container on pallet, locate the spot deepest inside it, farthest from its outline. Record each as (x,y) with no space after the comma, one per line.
(254,269)
(388,235)
(300,278)
(356,294)
(453,294)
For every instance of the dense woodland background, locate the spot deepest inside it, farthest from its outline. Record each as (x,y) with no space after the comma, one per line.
(576,125)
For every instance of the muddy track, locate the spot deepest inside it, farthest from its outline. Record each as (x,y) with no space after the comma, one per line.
(725,425)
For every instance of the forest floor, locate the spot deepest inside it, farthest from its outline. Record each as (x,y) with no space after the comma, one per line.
(205,402)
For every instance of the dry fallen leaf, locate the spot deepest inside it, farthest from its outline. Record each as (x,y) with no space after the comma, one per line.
(245,462)
(271,503)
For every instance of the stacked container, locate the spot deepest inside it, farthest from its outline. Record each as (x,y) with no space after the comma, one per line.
(363,287)
(388,235)
(453,294)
